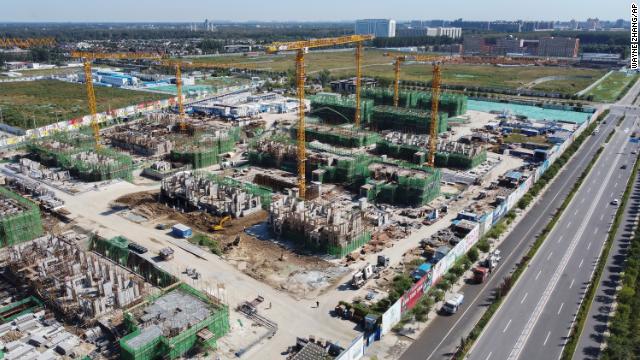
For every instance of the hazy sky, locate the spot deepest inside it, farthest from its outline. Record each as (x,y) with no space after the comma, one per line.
(307,10)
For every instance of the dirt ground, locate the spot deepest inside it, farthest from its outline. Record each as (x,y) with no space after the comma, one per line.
(301,275)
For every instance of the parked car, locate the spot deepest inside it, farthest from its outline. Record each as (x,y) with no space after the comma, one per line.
(615,202)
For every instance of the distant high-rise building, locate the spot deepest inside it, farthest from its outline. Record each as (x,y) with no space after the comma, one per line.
(376,27)
(474,44)
(508,45)
(558,47)
(593,24)
(454,33)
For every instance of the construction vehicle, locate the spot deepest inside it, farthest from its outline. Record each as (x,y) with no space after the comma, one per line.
(480,274)
(361,276)
(383,261)
(301,48)
(166,253)
(453,303)
(220,225)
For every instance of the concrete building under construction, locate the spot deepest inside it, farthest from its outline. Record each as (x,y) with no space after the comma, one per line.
(20,219)
(219,196)
(331,227)
(78,284)
(413,148)
(169,325)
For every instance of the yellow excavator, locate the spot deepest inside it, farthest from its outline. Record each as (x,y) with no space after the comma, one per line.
(220,225)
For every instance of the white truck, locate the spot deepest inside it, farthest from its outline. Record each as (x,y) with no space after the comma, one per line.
(453,303)
(361,276)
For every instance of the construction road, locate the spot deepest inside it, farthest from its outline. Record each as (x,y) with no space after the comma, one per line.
(535,318)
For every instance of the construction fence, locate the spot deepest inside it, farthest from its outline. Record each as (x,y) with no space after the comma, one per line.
(452,104)
(117,250)
(205,150)
(20,219)
(165,347)
(15,309)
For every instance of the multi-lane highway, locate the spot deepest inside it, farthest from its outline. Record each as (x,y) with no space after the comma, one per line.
(443,335)
(534,319)
(592,336)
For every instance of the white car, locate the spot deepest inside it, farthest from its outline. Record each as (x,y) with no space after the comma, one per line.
(615,202)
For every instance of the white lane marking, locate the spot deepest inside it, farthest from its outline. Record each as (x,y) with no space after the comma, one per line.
(506,327)
(589,245)
(616,184)
(524,297)
(569,225)
(549,257)
(601,217)
(580,265)
(571,285)
(575,213)
(595,231)
(553,282)
(559,310)
(560,238)
(582,200)
(589,189)
(488,356)
(546,339)
(537,276)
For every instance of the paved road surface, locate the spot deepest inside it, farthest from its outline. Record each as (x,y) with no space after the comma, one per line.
(534,320)
(443,335)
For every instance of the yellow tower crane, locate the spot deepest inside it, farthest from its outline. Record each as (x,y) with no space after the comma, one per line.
(27,42)
(301,47)
(435,93)
(178,65)
(437,60)
(87,58)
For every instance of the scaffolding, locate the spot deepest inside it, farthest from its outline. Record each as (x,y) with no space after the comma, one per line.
(20,219)
(169,325)
(338,136)
(206,149)
(449,154)
(83,161)
(117,250)
(452,104)
(408,185)
(337,110)
(406,120)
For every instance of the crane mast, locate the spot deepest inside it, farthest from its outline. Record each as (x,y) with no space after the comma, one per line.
(91,97)
(300,47)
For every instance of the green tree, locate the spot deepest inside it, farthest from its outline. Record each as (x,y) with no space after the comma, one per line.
(324,77)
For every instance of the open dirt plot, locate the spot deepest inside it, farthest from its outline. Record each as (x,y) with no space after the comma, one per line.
(276,264)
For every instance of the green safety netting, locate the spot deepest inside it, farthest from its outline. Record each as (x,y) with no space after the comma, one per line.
(338,136)
(407,120)
(114,165)
(19,308)
(164,347)
(23,226)
(452,104)
(338,110)
(205,150)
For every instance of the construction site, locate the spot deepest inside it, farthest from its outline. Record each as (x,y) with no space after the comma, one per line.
(20,219)
(172,323)
(242,190)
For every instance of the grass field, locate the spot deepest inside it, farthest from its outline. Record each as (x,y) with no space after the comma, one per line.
(376,64)
(611,88)
(25,104)
(519,138)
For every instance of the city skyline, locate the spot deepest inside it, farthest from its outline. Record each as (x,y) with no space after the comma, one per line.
(288,10)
